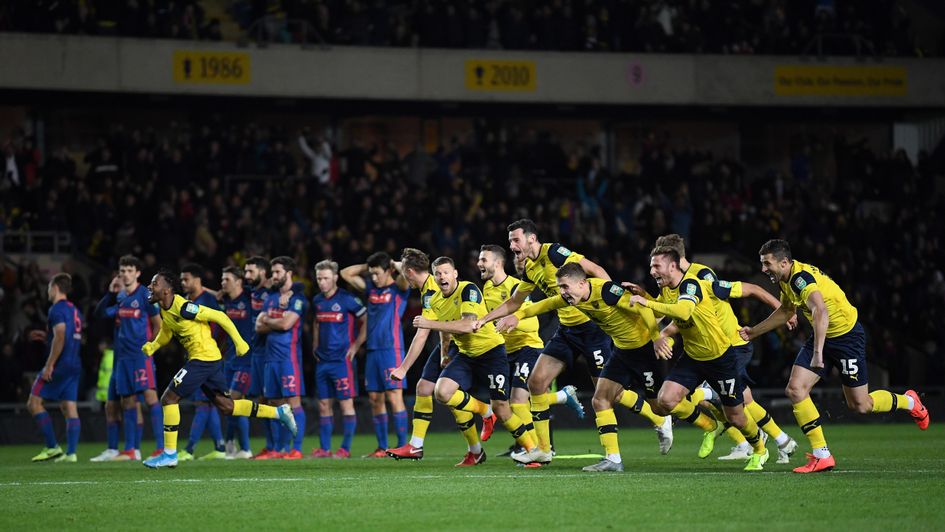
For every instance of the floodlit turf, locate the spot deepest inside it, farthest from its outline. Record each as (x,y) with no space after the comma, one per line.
(888,477)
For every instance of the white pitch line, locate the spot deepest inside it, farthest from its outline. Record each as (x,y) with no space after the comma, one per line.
(539,476)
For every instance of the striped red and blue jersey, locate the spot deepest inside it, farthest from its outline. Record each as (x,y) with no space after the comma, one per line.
(336,317)
(385,309)
(282,346)
(132,314)
(239,310)
(65,312)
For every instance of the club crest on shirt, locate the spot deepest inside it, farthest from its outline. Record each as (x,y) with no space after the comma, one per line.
(336,307)
(134,304)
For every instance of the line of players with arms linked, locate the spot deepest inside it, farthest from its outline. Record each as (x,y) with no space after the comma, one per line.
(489,360)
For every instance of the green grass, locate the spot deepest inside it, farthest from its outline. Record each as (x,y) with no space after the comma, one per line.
(888,477)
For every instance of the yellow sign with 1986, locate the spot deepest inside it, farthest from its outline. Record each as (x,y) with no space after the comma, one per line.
(500,75)
(211,67)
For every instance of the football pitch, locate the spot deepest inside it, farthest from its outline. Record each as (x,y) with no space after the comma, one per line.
(888,476)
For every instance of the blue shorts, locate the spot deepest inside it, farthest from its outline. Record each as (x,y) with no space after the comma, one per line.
(378,366)
(257,377)
(239,377)
(488,369)
(64,385)
(337,379)
(585,339)
(743,354)
(432,368)
(721,373)
(200,375)
(131,376)
(282,378)
(635,369)
(521,364)
(846,352)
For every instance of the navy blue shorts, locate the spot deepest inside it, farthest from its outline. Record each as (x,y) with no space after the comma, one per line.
(64,385)
(283,378)
(239,377)
(521,364)
(257,376)
(336,379)
(432,367)
(378,365)
(743,354)
(200,375)
(488,369)
(131,375)
(846,352)
(635,369)
(721,373)
(586,340)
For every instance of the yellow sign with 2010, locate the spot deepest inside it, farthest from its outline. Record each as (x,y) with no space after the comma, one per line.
(490,75)
(840,81)
(212,67)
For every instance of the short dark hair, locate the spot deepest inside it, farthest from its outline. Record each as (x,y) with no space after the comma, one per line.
(777,247)
(527,226)
(415,259)
(170,278)
(194,269)
(443,260)
(379,259)
(571,269)
(287,262)
(497,251)
(674,241)
(666,250)
(130,260)
(234,271)
(259,262)
(63,281)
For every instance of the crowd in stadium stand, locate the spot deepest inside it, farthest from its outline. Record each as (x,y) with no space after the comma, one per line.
(163,196)
(881,27)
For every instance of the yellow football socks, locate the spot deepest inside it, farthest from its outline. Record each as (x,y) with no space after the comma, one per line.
(809,420)
(607,429)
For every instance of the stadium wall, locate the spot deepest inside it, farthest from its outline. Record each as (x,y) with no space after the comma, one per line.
(76,63)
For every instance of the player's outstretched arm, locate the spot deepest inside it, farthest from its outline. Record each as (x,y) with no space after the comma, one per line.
(160,340)
(413,353)
(354,276)
(464,325)
(680,310)
(207,314)
(509,323)
(507,307)
(592,269)
(779,317)
(649,319)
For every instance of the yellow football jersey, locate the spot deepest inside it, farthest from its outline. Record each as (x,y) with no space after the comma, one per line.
(429,289)
(703,336)
(724,308)
(190,323)
(608,305)
(466,299)
(541,273)
(806,279)
(526,334)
